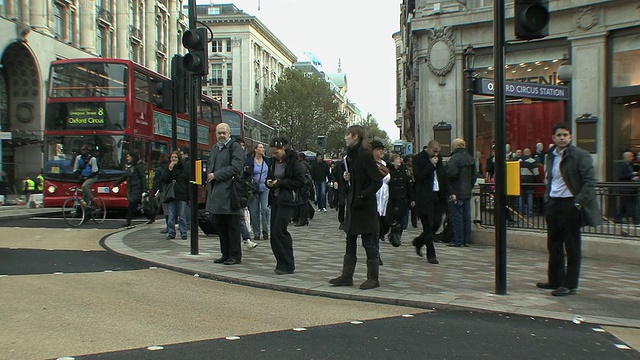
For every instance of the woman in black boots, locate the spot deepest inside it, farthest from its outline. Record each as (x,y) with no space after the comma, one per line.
(136,177)
(364,180)
(285,181)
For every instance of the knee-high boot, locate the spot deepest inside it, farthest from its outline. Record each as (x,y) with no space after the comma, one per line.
(348,267)
(373,270)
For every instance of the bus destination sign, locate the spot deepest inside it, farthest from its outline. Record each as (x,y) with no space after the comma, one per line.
(86,117)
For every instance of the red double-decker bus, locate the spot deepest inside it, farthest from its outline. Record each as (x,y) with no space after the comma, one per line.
(110,105)
(244,126)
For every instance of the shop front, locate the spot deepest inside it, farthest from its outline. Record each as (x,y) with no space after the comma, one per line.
(536,98)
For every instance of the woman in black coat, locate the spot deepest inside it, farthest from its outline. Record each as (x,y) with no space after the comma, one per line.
(400,198)
(136,177)
(285,181)
(178,208)
(364,180)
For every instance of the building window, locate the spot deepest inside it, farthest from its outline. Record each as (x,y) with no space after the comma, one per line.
(58,21)
(229,45)
(229,99)
(100,42)
(229,74)
(216,74)
(216,46)
(72,28)
(626,68)
(213,10)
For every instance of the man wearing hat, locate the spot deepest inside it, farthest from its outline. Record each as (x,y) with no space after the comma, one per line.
(382,195)
(461,177)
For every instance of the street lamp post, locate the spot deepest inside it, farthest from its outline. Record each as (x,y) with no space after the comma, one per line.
(469,70)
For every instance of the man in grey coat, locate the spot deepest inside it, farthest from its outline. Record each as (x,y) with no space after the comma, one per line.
(570,204)
(461,176)
(226,161)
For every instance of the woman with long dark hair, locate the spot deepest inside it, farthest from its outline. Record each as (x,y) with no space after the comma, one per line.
(285,181)
(364,180)
(136,177)
(178,174)
(258,166)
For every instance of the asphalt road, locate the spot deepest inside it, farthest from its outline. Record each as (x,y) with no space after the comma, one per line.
(65,297)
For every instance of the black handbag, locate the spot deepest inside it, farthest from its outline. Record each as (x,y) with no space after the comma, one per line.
(170,192)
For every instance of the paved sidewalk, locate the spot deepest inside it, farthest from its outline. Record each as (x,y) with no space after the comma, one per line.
(609,293)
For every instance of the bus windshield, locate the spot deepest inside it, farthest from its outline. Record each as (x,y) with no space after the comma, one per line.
(61,153)
(88,79)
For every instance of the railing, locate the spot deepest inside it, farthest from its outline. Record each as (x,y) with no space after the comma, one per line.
(619,204)
(135,32)
(162,48)
(104,14)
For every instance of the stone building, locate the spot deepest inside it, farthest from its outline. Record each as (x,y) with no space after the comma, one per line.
(595,43)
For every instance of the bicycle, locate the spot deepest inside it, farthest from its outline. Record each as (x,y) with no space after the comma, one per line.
(74,209)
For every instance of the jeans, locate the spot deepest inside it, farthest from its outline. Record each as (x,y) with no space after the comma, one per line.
(321,194)
(259,212)
(178,211)
(460,213)
(527,194)
(244,230)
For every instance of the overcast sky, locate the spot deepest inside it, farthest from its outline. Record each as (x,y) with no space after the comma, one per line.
(356,31)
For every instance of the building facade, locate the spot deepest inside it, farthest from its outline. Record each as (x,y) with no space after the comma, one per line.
(37,32)
(245,58)
(585,72)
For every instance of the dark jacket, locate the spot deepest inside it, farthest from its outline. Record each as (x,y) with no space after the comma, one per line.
(337,176)
(136,177)
(461,174)
(291,184)
(576,167)
(320,171)
(423,172)
(224,163)
(157,183)
(179,174)
(361,208)
(400,194)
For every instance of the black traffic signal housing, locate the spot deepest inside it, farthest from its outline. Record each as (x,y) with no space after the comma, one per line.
(197,60)
(531,19)
(321,141)
(164,89)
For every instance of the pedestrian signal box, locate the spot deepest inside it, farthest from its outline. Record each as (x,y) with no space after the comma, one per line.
(513,178)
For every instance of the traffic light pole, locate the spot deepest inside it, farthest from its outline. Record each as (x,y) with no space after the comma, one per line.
(195,88)
(174,103)
(500,159)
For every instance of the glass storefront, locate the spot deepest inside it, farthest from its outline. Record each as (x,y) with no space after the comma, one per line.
(530,118)
(624,98)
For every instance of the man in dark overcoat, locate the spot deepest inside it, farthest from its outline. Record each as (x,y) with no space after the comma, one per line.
(226,161)
(570,204)
(364,180)
(431,196)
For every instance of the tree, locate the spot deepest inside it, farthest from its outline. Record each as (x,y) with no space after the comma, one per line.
(373,131)
(302,107)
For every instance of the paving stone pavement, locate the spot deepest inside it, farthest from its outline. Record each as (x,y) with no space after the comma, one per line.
(609,292)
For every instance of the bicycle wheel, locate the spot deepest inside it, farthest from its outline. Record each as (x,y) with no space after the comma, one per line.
(98,210)
(73,212)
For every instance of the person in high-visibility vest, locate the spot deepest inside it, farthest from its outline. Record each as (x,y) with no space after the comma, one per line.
(40,182)
(29,187)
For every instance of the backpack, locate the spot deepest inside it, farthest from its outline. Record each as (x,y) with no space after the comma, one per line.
(85,166)
(243,187)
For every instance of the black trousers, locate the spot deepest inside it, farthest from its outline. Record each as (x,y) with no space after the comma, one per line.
(563,234)
(281,241)
(430,223)
(132,209)
(229,232)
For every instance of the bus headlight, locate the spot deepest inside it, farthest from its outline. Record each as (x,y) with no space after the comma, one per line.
(51,189)
(115,189)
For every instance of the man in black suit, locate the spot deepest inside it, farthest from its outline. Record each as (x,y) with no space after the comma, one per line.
(431,196)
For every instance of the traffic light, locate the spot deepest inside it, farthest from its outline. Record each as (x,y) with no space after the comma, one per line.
(165,100)
(321,141)
(197,60)
(531,19)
